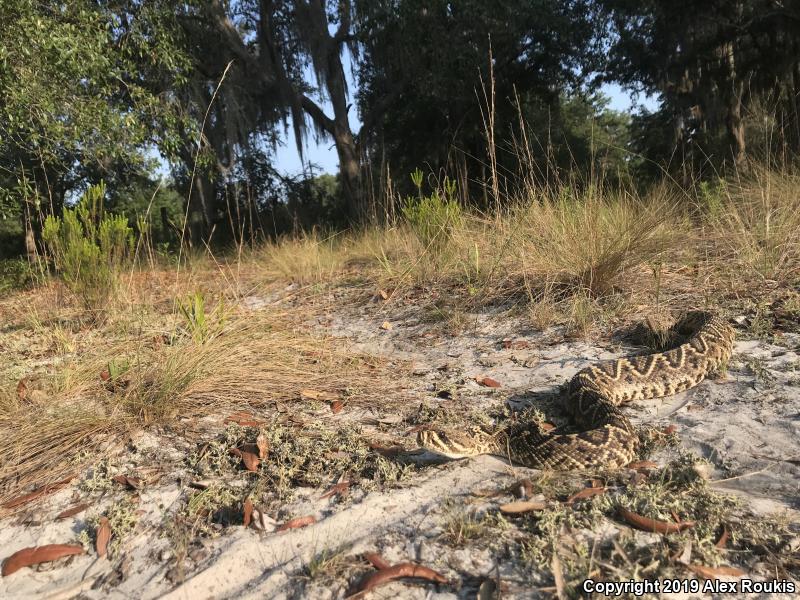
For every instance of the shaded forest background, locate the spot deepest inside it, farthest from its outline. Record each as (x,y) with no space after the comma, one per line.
(108,91)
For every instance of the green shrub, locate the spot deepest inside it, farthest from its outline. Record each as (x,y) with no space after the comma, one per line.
(88,247)
(433,218)
(711,196)
(15,274)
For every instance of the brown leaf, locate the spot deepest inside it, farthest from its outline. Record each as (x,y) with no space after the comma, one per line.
(72,511)
(297,523)
(714,572)
(585,493)
(652,525)
(38,554)
(515,344)
(250,459)
(723,539)
(386,326)
(337,406)
(396,572)
(558,577)
(262,443)
(45,489)
(383,294)
(488,382)
(105,375)
(670,429)
(248,512)
(103,537)
(523,506)
(545,426)
(336,489)
(521,489)
(243,419)
(22,390)
(133,483)
(642,465)
(376,560)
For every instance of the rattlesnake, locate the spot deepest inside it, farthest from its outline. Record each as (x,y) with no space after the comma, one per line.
(595,394)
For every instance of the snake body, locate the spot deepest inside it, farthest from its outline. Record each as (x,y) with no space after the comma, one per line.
(595,395)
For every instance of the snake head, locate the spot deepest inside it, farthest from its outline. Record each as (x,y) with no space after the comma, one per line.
(456,445)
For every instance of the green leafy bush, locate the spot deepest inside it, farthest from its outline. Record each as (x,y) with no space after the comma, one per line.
(88,247)
(433,218)
(15,274)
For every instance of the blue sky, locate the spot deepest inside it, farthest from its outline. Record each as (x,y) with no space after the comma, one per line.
(324,155)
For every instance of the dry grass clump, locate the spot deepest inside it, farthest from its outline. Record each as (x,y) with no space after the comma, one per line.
(583,242)
(97,398)
(306,258)
(573,252)
(753,223)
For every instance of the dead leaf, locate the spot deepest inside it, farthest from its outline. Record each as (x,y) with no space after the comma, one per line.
(133,483)
(714,572)
(103,537)
(317,395)
(243,419)
(335,490)
(521,489)
(558,577)
(22,390)
(386,326)
(250,459)
(383,294)
(488,382)
(523,506)
(248,512)
(585,493)
(670,429)
(38,554)
(396,572)
(297,523)
(46,489)
(376,560)
(642,465)
(515,344)
(723,539)
(105,375)
(652,525)
(262,443)
(545,426)
(72,511)
(337,406)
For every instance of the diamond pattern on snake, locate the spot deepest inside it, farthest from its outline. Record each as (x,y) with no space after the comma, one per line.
(594,399)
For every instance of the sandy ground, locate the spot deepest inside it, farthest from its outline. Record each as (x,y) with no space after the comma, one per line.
(747,426)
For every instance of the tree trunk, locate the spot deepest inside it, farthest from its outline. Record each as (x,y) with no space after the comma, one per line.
(735,126)
(30,236)
(733,119)
(350,172)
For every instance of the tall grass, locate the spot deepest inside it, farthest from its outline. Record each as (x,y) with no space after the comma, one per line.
(756,227)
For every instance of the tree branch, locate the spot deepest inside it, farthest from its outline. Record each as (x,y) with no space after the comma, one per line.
(343,32)
(317,114)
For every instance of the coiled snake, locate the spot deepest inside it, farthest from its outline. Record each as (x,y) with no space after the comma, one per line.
(595,394)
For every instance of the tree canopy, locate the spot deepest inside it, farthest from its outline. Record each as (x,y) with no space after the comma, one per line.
(94,90)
